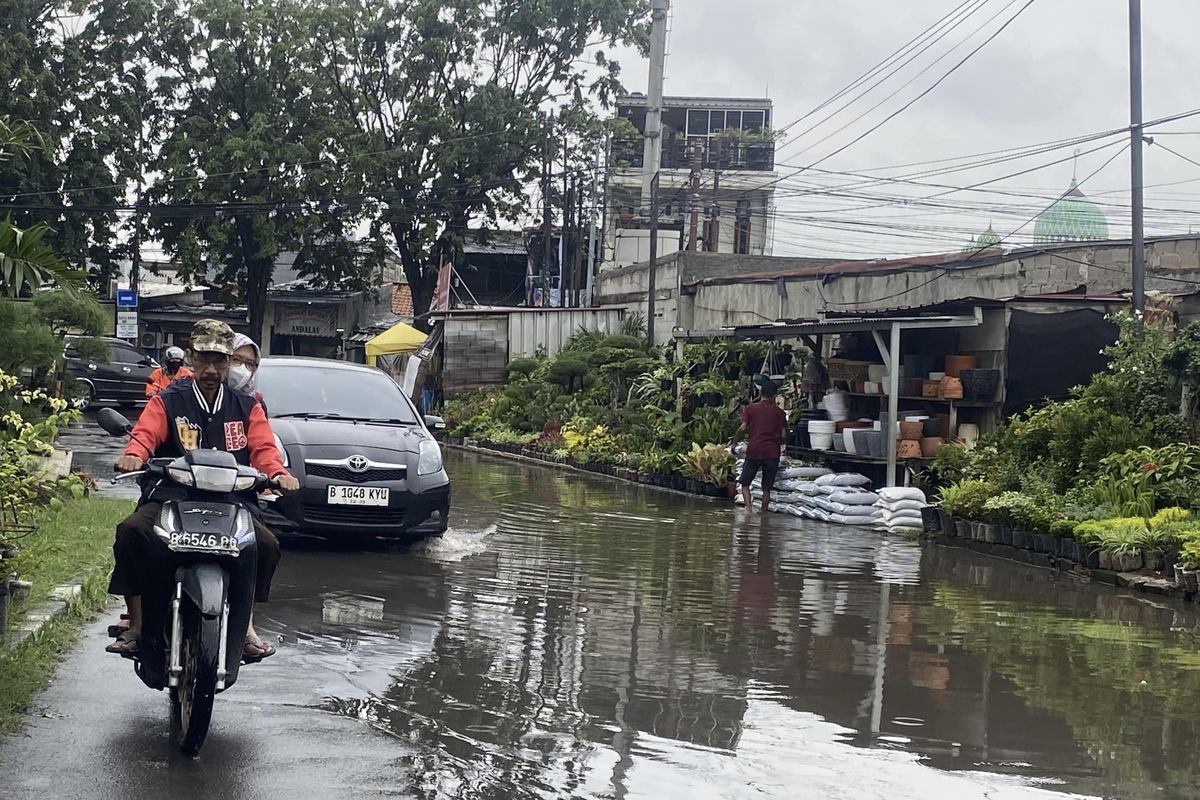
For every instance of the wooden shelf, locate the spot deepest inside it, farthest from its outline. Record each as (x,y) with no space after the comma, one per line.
(939,400)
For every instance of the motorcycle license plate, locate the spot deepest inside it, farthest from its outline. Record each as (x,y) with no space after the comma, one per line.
(358,496)
(203,543)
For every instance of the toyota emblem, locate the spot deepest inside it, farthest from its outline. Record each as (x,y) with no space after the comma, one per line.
(357,463)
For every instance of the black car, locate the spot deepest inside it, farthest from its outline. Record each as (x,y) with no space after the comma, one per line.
(119,378)
(366,460)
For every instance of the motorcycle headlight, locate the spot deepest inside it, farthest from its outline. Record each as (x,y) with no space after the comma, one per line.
(282,450)
(430,460)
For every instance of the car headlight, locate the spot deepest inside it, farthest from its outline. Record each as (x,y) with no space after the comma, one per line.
(282,451)
(431,458)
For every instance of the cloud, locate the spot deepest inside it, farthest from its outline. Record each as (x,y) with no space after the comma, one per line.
(1058,71)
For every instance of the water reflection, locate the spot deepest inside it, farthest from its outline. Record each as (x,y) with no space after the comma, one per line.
(593,640)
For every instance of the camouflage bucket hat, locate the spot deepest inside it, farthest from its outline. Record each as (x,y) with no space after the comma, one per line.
(212,336)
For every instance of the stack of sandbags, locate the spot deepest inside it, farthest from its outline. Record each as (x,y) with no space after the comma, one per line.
(899,509)
(845,499)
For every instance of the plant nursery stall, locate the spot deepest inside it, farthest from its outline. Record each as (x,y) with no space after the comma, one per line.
(950,372)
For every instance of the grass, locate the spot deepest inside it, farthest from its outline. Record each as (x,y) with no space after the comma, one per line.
(73,538)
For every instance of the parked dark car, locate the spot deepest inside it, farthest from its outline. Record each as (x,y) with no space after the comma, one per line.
(367,462)
(118,379)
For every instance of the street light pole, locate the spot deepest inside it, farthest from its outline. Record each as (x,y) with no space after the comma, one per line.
(1136,153)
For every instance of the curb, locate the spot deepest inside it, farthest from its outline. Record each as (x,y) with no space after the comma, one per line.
(62,598)
(486,451)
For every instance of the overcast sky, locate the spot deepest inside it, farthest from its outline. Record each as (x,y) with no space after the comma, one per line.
(1059,70)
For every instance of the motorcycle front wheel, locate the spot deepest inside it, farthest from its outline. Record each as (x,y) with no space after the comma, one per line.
(192,699)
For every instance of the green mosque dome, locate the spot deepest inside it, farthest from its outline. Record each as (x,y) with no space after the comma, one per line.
(1072,218)
(988,238)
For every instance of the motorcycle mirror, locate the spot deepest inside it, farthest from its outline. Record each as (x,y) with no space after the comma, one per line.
(113,423)
(435,423)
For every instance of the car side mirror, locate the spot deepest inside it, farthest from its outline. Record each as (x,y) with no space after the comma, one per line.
(146,362)
(435,423)
(113,423)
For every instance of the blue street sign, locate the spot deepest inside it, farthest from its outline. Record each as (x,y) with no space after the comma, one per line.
(127,298)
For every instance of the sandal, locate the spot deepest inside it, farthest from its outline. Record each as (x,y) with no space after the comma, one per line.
(127,644)
(256,650)
(116,630)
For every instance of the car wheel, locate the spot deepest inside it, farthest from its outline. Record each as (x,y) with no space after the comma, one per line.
(87,400)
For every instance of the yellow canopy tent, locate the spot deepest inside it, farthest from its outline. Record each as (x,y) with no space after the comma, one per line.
(398,339)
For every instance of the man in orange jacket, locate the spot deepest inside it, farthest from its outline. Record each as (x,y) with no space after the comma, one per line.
(163,377)
(191,414)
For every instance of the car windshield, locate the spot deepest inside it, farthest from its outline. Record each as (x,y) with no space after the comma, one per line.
(308,390)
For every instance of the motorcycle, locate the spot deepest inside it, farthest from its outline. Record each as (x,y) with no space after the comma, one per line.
(196,611)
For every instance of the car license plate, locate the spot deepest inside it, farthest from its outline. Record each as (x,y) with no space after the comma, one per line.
(358,496)
(202,543)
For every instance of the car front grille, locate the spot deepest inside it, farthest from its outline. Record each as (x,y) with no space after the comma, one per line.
(344,474)
(354,515)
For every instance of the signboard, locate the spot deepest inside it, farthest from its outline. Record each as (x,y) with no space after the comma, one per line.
(127,325)
(293,320)
(127,298)
(441,300)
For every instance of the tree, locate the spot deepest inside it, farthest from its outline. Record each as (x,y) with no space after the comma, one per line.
(27,262)
(440,106)
(66,178)
(243,173)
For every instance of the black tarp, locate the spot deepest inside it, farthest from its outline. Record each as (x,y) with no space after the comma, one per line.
(1048,354)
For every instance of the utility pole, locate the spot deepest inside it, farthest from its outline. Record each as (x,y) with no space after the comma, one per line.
(653,259)
(567,288)
(652,154)
(697,165)
(547,226)
(591,253)
(135,266)
(714,227)
(1136,152)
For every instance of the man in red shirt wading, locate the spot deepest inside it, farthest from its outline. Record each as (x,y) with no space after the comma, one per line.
(763,424)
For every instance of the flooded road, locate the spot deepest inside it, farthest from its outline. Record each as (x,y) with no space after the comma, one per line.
(577,637)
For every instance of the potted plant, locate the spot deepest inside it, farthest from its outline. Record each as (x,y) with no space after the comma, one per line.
(1189,556)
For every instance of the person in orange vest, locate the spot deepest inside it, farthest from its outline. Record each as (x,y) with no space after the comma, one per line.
(164,376)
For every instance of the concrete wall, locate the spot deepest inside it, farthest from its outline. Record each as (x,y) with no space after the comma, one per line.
(475,353)
(1171,265)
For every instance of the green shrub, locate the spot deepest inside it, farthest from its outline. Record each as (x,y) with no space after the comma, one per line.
(1064,528)
(1018,510)
(522,367)
(967,498)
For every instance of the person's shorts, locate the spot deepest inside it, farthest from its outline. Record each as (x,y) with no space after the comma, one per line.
(769,467)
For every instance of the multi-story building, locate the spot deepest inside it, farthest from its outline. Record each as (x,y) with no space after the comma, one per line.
(731,141)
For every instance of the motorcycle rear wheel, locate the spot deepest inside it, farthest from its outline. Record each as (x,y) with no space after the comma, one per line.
(192,699)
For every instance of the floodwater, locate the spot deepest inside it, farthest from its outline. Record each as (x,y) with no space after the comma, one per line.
(578,637)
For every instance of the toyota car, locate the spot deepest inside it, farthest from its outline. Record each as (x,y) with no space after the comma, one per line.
(367,462)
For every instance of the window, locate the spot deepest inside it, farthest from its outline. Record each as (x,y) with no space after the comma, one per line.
(124,354)
(733,119)
(752,121)
(697,123)
(716,121)
(338,391)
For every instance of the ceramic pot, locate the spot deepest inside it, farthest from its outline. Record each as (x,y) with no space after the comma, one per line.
(952,388)
(930,445)
(907,448)
(911,431)
(930,389)
(876,444)
(956,364)
(980,384)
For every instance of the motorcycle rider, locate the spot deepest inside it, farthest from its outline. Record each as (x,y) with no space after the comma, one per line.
(189,414)
(172,371)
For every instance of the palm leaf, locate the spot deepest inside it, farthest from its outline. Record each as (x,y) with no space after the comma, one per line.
(28,262)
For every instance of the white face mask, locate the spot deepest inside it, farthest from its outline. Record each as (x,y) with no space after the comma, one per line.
(240,377)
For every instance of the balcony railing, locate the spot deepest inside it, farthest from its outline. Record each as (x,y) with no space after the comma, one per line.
(717,153)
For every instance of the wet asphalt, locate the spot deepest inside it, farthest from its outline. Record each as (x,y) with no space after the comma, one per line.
(572,637)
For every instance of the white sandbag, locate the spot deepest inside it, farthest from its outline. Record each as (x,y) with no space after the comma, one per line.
(843,479)
(843,519)
(793,485)
(855,498)
(805,472)
(902,505)
(894,493)
(901,521)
